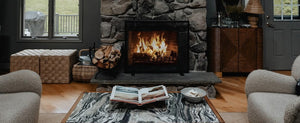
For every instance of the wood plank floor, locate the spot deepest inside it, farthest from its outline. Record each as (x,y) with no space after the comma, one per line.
(59,98)
(231,95)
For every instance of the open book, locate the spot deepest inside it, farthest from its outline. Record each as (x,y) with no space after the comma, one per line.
(139,96)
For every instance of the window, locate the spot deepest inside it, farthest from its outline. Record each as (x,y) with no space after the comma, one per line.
(286,10)
(50,19)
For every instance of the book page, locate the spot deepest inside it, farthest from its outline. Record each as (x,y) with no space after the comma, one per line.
(125,94)
(139,97)
(153,94)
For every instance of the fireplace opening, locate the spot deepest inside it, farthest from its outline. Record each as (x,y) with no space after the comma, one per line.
(152,47)
(156,46)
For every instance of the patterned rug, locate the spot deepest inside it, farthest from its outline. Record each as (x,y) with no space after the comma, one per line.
(96,107)
(228,117)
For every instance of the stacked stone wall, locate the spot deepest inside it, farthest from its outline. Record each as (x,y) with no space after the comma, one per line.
(115,12)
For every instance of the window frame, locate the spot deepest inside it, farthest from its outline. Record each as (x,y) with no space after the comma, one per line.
(50,37)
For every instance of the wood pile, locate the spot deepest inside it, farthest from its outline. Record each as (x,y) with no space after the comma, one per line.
(107,56)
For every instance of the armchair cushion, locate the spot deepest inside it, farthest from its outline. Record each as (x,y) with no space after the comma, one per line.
(21,81)
(20,94)
(268,107)
(292,114)
(267,81)
(19,107)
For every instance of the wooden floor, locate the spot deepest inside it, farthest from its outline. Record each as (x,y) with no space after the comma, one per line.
(58,98)
(231,95)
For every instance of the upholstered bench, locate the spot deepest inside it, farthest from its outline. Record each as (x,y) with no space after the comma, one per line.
(54,66)
(26,59)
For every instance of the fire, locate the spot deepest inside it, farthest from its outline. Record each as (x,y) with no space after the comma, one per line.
(154,46)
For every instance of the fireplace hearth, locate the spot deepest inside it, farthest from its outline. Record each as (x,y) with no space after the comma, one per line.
(156,47)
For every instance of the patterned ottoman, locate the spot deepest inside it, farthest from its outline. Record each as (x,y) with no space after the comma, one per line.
(26,59)
(56,66)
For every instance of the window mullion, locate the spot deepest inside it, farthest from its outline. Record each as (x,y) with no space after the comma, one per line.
(51,18)
(22,22)
(291,9)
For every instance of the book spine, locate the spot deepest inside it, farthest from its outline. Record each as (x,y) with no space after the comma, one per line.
(112,95)
(165,90)
(139,97)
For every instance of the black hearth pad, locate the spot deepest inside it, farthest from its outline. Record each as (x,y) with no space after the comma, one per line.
(192,78)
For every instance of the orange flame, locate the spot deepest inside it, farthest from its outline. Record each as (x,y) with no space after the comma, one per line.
(155,46)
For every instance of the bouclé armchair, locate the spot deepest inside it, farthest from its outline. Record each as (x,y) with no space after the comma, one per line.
(20,94)
(272,96)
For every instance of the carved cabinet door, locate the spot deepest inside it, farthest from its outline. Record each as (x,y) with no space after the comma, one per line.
(229,49)
(247,49)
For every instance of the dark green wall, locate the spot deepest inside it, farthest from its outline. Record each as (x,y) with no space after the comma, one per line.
(212,12)
(9,19)
(91,28)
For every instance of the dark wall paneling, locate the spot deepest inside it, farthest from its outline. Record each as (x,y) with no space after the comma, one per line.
(90,31)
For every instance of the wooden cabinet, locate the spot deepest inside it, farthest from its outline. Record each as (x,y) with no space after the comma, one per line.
(234,49)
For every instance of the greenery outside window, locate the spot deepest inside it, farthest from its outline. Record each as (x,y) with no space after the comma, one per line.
(286,10)
(50,20)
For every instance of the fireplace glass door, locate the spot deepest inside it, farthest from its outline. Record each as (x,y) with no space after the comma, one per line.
(152,47)
(156,46)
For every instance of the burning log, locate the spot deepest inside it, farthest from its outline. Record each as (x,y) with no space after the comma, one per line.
(107,56)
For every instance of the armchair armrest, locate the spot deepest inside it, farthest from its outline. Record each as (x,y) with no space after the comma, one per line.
(21,81)
(267,81)
(292,112)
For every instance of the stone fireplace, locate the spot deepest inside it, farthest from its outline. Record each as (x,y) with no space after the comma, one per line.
(114,14)
(114,29)
(156,46)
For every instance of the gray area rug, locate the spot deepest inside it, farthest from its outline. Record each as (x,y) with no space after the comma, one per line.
(96,107)
(232,117)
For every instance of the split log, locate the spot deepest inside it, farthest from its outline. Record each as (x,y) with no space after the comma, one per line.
(107,56)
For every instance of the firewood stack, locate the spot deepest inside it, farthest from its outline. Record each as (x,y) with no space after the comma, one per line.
(107,56)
